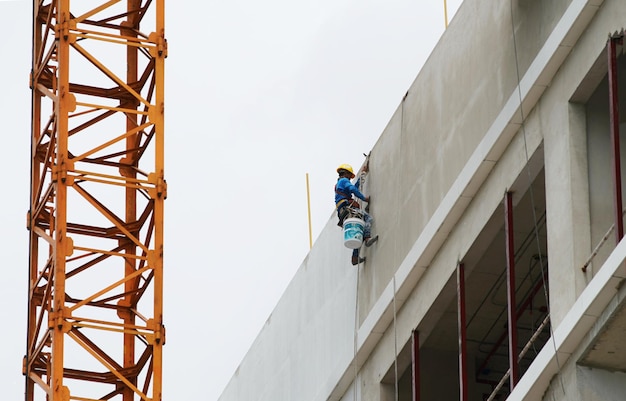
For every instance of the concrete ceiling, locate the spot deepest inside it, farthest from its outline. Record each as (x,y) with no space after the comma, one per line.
(608,348)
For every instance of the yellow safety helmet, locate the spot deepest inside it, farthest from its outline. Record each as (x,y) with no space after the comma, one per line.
(345,167)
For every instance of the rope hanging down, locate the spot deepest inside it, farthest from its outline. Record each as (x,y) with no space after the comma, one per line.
(356,303)
(356,336)
(530,188)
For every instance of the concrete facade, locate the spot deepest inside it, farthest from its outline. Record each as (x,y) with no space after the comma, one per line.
(513,99)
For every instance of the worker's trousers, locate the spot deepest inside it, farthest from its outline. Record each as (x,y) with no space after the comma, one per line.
(367,228)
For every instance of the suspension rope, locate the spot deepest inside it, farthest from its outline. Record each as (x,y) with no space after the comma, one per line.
(395,340)
(395,246)
(359,213)
(356,336)
(532,196)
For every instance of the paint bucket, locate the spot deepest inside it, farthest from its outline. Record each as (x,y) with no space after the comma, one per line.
(353,232)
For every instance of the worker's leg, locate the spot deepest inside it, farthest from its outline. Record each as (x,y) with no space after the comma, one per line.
(342,213)
(355,257)
(367,230)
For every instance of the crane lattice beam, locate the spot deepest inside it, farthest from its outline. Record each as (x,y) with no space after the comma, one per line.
(95,313)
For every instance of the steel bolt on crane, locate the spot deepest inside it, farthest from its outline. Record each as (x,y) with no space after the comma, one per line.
(95,301)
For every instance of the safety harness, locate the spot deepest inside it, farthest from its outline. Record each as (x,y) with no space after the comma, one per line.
(346,207)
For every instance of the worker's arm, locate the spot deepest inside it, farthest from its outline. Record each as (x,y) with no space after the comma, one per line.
(354,190)
(358,193)
(344,186)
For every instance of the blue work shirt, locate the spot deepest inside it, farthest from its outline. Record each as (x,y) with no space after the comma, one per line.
(346,188)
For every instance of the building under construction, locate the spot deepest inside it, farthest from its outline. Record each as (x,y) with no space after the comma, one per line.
(496,193)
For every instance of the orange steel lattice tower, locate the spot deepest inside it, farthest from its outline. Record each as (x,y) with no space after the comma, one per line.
(95,321)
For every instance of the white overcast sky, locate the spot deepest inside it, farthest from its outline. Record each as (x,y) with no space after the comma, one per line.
(258,94)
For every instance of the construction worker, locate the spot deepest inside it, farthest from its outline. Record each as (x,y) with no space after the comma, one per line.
(345,192)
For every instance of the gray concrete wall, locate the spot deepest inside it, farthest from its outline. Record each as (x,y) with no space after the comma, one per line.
(448,110)
(437,174)
(308,338)
(601,385)
(575,143)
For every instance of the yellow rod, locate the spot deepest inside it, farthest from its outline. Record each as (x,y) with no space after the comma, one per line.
(308,201)
(445,11)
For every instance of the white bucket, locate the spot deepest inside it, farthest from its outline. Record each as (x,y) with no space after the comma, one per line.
(353,232)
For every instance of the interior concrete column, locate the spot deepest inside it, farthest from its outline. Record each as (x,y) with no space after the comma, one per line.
(567,202)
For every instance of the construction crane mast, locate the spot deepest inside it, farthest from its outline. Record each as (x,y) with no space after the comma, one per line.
(95,313)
